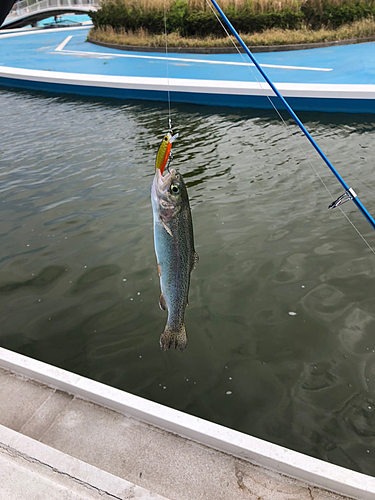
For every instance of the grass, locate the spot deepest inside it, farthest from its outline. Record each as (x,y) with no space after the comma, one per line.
(360,29)
(239,5)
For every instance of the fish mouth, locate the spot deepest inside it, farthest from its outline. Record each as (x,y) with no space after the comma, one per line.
(164,180)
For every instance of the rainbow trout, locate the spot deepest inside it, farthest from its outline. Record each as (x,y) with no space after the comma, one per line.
(174,248)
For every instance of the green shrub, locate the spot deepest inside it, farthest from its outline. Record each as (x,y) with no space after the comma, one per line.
(202,24)
(176,16)
(335,16)
(187,22)
(118,17)
(256,23)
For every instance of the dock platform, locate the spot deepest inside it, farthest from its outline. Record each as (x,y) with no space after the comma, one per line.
(76,438)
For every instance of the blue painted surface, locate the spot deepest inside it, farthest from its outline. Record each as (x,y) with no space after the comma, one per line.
(350,64)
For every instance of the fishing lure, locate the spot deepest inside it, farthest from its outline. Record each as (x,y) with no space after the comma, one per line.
(164,151)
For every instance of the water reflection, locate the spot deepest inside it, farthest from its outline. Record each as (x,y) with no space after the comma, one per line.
(281,310)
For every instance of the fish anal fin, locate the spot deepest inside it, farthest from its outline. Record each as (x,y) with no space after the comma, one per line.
(162,303)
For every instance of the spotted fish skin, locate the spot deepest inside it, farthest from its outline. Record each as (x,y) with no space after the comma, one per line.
(175,253)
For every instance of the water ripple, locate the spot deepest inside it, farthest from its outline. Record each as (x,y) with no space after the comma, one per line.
(281,314)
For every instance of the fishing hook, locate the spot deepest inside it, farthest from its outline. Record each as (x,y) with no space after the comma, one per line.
(169,161)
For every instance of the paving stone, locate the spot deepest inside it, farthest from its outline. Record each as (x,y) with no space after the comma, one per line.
(20,399)
(45,415)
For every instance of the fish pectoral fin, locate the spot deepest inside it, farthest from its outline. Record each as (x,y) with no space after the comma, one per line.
(162,303)
(159,270)
(195,260)
(167,229)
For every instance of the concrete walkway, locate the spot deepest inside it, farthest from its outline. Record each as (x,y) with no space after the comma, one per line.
(57,446)
(30,470)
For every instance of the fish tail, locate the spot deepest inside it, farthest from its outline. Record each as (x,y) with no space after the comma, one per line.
(174,338)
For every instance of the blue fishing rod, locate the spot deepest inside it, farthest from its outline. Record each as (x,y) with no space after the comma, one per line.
(349,194)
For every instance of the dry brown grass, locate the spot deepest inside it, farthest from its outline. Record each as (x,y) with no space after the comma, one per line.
(359,29)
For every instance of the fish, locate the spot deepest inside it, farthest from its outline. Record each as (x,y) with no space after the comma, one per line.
(164,151)
(175,252)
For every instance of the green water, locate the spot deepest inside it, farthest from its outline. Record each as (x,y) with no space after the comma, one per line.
(79,286)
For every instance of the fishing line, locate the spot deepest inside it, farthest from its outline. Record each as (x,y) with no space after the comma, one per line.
(305,156)
(349,192)
(360,234)
(269,99)
(288,129)
(166,60)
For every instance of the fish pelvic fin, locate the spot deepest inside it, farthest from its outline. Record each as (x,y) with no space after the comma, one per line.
(174,338)
(162,302)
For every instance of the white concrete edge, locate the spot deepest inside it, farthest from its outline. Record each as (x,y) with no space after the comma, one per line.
(302,90)
(311,470)
(76,469)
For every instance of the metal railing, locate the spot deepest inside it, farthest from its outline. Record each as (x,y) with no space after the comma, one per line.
(29,6)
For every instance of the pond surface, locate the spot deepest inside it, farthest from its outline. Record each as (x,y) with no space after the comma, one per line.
(281,321)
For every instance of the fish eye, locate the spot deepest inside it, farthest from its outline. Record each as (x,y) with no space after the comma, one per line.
(175,188)
(166,139)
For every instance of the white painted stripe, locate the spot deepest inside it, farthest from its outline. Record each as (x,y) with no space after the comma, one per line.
(62,44)
(187,60)
(269,455)
(224,87)
(14,33)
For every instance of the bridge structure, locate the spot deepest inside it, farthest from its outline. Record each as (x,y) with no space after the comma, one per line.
(28,12)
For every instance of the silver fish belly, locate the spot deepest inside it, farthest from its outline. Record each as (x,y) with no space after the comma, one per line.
(174,248)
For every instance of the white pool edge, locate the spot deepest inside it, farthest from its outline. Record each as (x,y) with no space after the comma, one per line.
(189,85)
(297,465)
